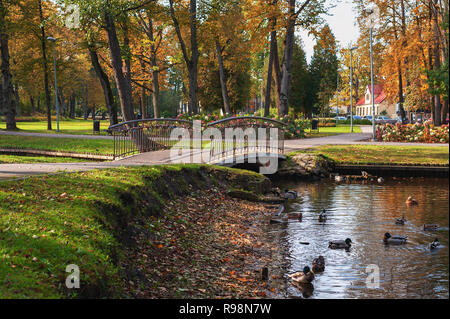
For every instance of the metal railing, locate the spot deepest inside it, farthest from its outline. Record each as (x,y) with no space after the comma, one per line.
(229,138)
(144,135)
(265,137)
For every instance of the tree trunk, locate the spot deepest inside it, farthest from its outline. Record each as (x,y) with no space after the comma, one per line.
(7,87)
(276,66)
(45,66)
(122,84)
(72,106)
(106,86)
(287,61)
(33,108)
(192,62)
(272,51)
(223,81)
(437,65)
(155,70)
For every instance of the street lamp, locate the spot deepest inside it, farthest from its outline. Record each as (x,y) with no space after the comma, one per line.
(373,14)
(261,100)
(56,85)
(337,98)
(351,87)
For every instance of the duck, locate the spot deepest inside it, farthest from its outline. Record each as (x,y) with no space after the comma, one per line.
(435,244)
(318,264)
(380,180)
(302,277)
(339,178)
(340,244)
(307,289)
(365,175)
(394,240)
(290,194)
(276,191)
(411,201)
(430,227)
(295,215)
(323,216)
(400,221)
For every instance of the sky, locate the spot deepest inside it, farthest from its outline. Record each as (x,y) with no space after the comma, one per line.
(342,21)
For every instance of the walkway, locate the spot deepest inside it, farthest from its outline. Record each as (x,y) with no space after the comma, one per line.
(163,157)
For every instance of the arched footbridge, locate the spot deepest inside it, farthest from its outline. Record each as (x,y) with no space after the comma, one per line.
(231,141)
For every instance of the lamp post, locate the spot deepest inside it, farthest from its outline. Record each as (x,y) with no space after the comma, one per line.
(351,87)
(337,98)
(56,85)
(373,14)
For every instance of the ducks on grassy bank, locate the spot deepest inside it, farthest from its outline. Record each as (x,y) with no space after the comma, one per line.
(394,240)
(340,244)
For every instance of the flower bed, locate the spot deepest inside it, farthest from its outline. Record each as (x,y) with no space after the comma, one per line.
(419,133)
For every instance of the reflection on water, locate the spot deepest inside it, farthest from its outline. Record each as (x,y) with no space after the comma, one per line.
(364,212)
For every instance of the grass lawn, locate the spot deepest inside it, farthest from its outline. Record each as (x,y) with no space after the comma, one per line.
(378,154)
(77,145)
(48,222)
(65,127)
(16,159)
(328,131)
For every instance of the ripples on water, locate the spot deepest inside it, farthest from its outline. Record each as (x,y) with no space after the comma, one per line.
(364,212)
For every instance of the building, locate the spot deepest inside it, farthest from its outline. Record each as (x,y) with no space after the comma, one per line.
(364,105)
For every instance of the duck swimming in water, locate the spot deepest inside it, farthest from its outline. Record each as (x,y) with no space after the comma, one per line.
(400,221)
(394,240)
(430,227)
(290,194)
(411,201)
(435,244)
(302,277)
(318,264)
(340,244)
(323,216)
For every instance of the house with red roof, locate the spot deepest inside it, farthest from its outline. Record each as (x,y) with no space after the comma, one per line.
(364,105)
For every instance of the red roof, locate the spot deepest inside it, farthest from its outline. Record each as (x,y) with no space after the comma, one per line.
(380,96)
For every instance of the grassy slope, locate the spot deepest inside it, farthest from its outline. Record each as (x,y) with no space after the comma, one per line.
(49,222)
(328,131)
(387,154)
(58,144)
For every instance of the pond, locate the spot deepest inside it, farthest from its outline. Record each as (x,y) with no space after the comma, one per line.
(364,213)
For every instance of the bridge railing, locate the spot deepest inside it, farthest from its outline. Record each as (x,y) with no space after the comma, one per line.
(144,135)
(244,136)
(230,138)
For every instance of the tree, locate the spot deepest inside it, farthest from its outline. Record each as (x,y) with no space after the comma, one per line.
(323,69)
(7,87)
(191,60)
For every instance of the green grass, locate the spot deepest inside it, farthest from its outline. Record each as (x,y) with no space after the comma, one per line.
(76,145)
(329,131)
(16,159)
(49,222)
(65,126)
(387,154)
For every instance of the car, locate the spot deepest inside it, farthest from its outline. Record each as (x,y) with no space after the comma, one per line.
(367,117)
(384,120)
(355,117)
(340,118)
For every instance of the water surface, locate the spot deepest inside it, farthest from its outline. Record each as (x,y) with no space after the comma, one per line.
(364,212)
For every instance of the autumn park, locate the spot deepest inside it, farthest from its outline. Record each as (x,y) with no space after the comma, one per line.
(272,150)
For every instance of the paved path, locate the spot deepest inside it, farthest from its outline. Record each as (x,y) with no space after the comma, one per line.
(56,135)
(8,171)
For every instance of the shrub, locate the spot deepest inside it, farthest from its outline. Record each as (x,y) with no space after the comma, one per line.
(419,133)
